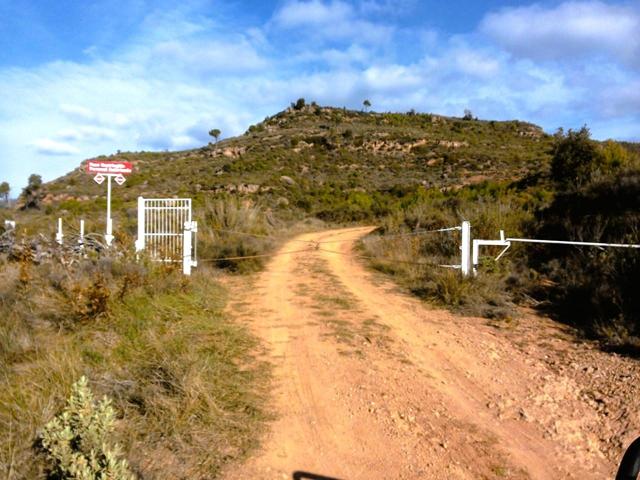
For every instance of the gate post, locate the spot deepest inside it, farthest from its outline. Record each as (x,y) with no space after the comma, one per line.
(141,224)
(81,238)
(194,230)
(465,263)
(186,249)
(475,256)
(59,234)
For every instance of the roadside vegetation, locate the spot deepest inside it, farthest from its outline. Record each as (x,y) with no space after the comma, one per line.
(186,392)
(597,199)
(414,260)
(233,228)
(589,193)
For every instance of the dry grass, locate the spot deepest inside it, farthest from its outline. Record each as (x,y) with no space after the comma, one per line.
(414,261)
(235,228)
(182,376)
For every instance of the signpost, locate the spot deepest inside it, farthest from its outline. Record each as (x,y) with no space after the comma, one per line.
(109,169)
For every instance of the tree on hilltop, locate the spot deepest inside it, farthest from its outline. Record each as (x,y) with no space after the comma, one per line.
(299,104)
(367,105)
(5,188)
(32,193)
(215,133)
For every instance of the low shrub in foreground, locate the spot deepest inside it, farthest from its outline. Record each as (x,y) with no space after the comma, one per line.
(77,442)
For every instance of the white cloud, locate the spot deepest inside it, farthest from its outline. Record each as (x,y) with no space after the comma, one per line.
(47,146)
(342,57)
(77,112)
(331,21)
(387,7)
(568,30)
(100,107)
(220,57)
(339,58)
(391,78)
(180,142)
(86,132)
(622,99)
(475,62)
(297,13)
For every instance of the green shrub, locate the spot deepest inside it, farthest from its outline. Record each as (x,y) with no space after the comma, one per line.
(76,442)
(593,289)
(299,104)
(576,158)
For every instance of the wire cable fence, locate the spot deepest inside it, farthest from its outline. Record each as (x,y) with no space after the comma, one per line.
(406,262)
(399,235)
(316,246)
(262,255)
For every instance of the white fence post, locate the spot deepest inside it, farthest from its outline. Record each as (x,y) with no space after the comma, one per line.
(186,249)
(475,256)
(141,225)
(81,239)
(59,235)
(466,249)
(194,230)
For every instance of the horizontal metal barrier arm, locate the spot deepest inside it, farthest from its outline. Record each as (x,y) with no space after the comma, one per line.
(566,242)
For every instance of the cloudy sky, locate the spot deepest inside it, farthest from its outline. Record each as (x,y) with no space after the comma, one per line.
(83,78)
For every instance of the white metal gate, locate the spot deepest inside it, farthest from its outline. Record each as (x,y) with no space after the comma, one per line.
(166,230)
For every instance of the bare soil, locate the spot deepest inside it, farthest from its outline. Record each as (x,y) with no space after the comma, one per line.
(371,383)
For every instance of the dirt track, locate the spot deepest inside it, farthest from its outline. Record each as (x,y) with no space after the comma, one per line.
(373,384)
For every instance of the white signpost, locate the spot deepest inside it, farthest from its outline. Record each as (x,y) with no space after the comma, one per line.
(109,169)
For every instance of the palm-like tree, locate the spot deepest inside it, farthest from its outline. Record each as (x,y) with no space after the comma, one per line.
(4,191)
(215,133)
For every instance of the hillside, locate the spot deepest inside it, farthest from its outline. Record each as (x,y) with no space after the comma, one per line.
(336,164)
(195,366)
(401,172)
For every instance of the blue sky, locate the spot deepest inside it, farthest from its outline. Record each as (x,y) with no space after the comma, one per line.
(79,79)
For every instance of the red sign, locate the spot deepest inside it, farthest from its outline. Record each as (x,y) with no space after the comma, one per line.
(114,168)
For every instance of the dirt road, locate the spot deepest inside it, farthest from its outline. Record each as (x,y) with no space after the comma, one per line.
(371,383)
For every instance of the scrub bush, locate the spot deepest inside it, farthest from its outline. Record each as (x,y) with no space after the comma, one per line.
(76,442)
